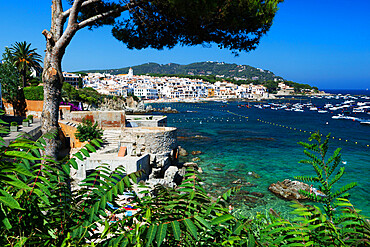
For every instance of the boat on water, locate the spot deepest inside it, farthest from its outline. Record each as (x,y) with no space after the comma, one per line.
(322,111)
(339,116)
(366,122)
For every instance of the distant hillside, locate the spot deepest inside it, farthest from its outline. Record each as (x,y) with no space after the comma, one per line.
(219,69)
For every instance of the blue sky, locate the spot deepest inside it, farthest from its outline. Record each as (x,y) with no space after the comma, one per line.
(322,43)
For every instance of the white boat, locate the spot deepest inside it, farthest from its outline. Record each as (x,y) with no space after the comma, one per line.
(322,111)
(340,116)
(300,110)
(366,122)
(313,109)
(358,110)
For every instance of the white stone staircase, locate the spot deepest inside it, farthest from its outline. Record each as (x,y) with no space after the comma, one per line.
(111,137)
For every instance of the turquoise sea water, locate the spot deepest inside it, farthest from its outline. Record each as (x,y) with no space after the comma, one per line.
(253,141)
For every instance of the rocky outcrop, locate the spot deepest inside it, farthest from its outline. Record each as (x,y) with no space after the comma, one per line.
(289,189)
(182,152)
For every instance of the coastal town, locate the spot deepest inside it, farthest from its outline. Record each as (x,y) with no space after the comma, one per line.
(184,123)
(175,88)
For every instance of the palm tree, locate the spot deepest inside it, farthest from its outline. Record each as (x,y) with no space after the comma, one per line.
(24,58)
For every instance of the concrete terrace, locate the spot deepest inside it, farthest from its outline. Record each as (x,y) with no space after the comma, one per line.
(34,130)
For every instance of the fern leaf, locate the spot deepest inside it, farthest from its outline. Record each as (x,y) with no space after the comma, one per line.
(221,219)
(161,233)
(151,234)
(202,221)
(344,189)
(9,201)
(176,229)
(191,227)
(337,177)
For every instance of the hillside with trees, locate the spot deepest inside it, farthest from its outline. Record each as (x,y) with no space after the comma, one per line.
(218,69)
(212,72)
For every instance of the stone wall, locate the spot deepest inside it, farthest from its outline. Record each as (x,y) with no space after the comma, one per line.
(130,164)
(105,119)
(153,140)
(146,121)
(34,107)
(69,129)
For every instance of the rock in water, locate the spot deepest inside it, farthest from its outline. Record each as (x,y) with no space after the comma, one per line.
(182,151)
(258,194)
(196,152)
(253,174)
(191,164)
(289,189)
(219,169)
(238,181)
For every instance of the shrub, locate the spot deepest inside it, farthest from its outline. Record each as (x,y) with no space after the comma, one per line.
(87,131)
(327,174)
(34,93)
(13,124)
(39,208)
(30,117)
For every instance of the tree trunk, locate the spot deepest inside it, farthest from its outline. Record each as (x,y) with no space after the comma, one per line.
(52,78)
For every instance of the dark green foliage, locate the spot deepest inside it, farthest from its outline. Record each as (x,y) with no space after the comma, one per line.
(324,168)
(13,124)
(298,87)
(235,25)
(30,117)
(201,70)
(88,131)
(34,93)
(10,84)
(24,58)
(87,95)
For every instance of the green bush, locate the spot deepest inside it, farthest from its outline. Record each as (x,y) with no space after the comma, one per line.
(39,208)
(34,93)
(13,124)
(30,117)
(25,120)
(87,131)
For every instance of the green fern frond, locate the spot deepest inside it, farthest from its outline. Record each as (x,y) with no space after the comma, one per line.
(307,178)
(337,177)
(344,189)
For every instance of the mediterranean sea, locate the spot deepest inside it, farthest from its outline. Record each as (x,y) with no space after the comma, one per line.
(238,141)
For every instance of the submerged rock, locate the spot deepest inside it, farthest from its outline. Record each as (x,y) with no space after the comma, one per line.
(289,189)
(219,169)
(253,174)
(190,164)
(182,151)
(248,184)
(195,159)
(238,181)
(258,194)
(196,152)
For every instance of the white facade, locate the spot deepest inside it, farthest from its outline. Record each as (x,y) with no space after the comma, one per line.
(148,87)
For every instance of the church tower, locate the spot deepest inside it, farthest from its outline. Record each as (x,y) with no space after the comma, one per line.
(130,73)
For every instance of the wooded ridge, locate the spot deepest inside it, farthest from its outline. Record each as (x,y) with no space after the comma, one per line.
(221,69)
